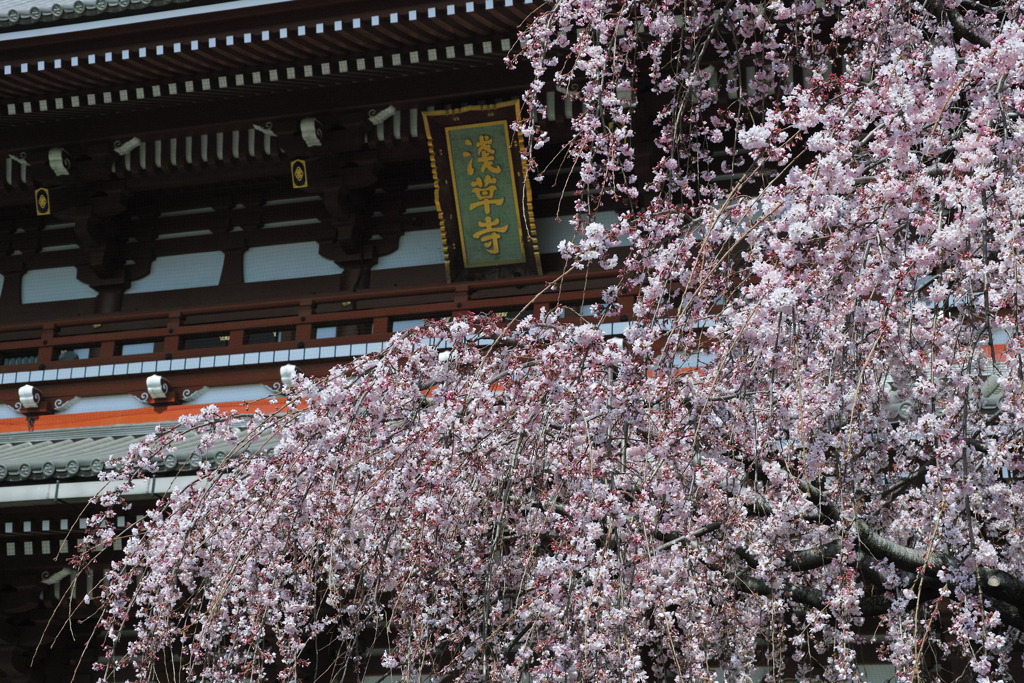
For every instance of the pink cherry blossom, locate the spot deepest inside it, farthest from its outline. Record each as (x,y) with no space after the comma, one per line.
(805,450)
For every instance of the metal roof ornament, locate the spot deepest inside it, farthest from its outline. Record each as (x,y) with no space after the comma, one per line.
(377,117)
(123,147)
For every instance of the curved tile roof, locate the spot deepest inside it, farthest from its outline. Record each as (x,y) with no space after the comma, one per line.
(16,14)
(69,453)
(31,458)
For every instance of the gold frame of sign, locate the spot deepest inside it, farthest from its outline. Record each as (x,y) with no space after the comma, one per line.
(483,199)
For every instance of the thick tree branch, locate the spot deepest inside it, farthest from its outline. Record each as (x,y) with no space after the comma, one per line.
(870,605)
(874,605)
(812,558)
(800,594)
(747,557)
(902,556)
(1001,586)
(1010,614)
(1004,591)
(903,485)
(867,572)
(825,509)
(956,20)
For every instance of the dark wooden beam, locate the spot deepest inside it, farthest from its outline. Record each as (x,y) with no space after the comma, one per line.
(480,82)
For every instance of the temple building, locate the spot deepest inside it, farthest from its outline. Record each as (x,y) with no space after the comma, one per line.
(200,198)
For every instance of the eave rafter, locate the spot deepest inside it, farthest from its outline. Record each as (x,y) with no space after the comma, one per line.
(223,47)
(480,75)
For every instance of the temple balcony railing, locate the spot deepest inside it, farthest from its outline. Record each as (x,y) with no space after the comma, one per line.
(316,331)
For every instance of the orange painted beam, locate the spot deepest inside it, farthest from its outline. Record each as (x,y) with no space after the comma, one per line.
(169,413)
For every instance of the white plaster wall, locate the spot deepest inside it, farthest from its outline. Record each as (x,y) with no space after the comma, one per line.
(183,271)
(551,231)
(287,262)
(53,284)
(417,248)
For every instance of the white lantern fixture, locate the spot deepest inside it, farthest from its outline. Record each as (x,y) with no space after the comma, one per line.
(312,132)
(59,160)
(157,387)
(29,397)
(288,373)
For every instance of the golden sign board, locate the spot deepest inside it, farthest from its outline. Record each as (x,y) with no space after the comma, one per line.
(300,174)
(42,202)
(483,200)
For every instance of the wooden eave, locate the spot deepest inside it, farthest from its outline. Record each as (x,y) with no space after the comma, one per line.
(306,31)
(198,110)
(175,77)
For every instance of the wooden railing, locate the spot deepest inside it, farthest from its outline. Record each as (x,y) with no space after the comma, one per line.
(344,318)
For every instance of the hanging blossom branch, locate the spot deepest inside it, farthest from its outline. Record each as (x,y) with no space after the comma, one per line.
(808,437)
